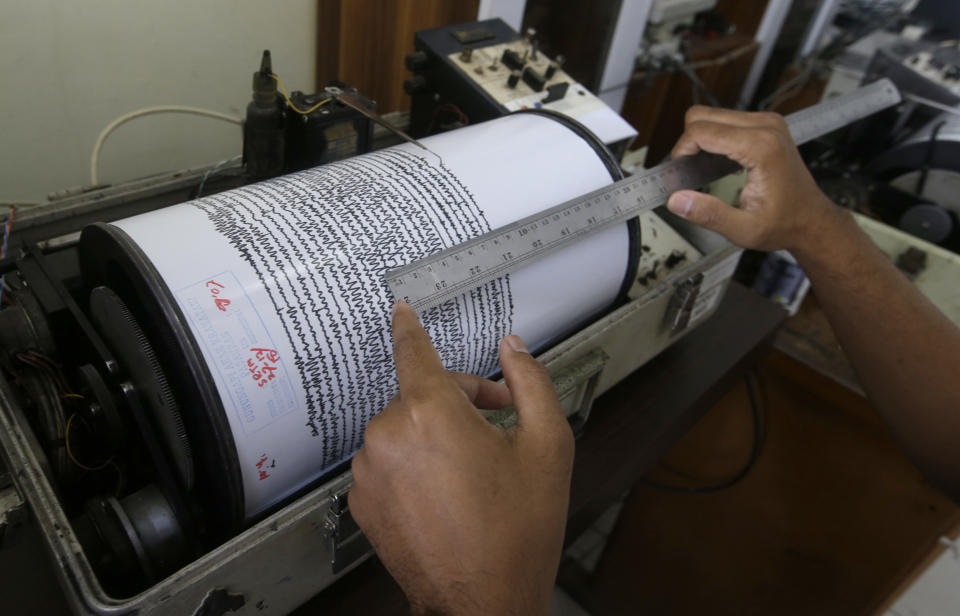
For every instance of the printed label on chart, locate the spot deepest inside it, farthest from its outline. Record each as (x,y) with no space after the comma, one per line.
(239,348)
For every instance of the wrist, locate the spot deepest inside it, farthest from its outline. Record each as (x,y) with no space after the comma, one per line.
(483,595)
(824,237)
(466,605)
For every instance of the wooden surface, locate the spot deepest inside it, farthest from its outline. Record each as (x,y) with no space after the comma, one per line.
(831,519)
(579,31)
(655,108)
(631,427)
(657,112)
(801,96)
(808,338)
(744,14)
(646,96)
(363,42)
(634,424)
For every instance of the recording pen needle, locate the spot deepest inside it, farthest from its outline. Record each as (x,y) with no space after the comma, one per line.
(350,101)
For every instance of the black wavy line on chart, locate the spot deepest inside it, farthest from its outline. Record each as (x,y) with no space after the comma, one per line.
(226,220)
(345,224)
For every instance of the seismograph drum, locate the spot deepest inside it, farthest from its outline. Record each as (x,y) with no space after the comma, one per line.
(264,312)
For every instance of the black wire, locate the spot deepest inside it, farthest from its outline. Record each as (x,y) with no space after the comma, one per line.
(759,436)
(827,53)
(698,85)
(928,160)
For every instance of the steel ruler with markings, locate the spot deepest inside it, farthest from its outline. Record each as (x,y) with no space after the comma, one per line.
(453,271)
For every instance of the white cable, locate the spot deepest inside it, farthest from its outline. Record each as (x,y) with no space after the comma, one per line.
(95,155)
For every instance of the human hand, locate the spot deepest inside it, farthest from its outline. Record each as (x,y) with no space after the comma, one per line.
(781,206)
(468,518)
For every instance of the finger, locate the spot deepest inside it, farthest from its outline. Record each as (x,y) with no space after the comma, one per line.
(538,410)
(419,368)
(711,213)
(483,393)
(735,142)
(744,119)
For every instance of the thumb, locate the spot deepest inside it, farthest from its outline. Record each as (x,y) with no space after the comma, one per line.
(539,414)
(710,213)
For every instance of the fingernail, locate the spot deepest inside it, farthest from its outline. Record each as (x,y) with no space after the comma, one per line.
(680,204)
(398,305)
(516,343)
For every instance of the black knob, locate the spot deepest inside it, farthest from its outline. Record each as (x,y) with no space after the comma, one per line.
(533,79)
(513,79)
(512,60)
(415,61)
(415,84)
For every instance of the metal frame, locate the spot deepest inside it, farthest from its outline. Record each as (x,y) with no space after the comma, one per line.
(288,557)
(622,53)
(767,34)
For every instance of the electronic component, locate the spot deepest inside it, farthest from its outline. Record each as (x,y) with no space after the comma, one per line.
(939,63)
(285,133)
(535,80)
(921,68)
(505,72)
(263,130)
(512,59)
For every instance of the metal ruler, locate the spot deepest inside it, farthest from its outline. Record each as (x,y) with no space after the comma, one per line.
(453,271)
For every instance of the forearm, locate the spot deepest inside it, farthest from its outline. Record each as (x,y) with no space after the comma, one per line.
(905,351)
(484,594)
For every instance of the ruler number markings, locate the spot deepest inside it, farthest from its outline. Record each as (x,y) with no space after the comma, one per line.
(440,277)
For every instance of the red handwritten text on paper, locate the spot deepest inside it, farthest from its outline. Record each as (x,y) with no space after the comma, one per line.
(264,464)
(262,365)
(215,290)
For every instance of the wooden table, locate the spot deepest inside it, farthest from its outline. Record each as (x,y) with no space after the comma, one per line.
(630,428)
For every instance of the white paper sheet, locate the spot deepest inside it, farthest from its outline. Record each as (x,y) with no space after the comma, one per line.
(281,282)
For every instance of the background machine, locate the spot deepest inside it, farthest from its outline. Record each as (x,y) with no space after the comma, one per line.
(475,72)
(158,362)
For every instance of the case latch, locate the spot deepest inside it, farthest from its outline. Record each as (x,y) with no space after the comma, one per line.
(576,385)
(677,316)
(345,543)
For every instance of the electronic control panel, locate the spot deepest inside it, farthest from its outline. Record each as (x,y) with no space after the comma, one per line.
(517,76)
(470,73)
(940,64)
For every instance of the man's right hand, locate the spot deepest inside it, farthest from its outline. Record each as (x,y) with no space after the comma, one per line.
(781,206)
(906,353)
(467,517)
